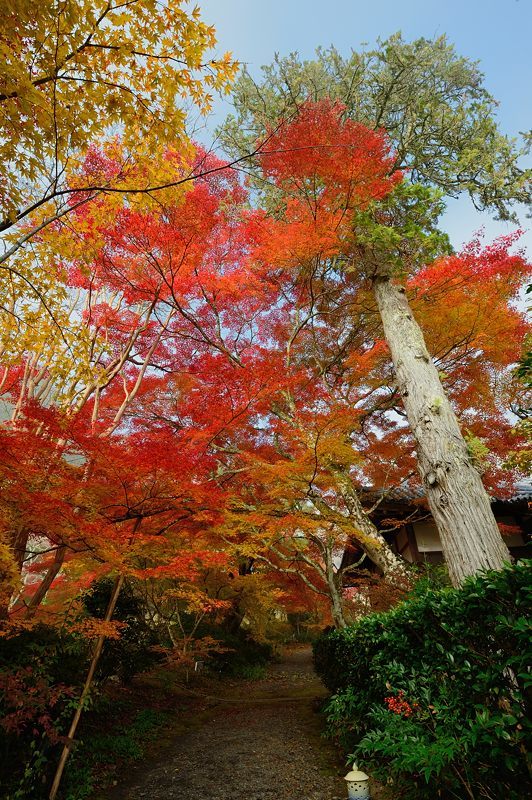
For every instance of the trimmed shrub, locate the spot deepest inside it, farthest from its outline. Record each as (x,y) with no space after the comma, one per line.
(435,694)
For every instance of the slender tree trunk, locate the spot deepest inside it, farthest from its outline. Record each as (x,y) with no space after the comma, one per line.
(86,689)
(19,544)
(335,590)
(376,547)
(470,538)
(371,540)
(51,574)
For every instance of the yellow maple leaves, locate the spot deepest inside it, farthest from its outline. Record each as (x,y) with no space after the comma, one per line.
(73,71)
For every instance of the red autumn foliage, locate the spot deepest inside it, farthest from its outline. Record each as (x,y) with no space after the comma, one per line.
(243,360)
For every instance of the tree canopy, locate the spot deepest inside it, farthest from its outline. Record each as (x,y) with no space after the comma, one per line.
(211,381)
(431,102)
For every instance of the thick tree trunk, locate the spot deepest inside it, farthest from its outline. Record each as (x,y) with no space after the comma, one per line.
(470,538)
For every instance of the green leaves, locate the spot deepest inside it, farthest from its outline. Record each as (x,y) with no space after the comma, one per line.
(430,100)
(460,660)
(401,230)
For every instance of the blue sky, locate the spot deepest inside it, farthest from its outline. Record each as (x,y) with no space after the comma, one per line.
(497,33)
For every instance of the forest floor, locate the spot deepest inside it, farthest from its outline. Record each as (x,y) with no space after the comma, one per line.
(253,739)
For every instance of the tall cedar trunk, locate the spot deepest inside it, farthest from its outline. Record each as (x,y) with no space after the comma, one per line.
(458,501)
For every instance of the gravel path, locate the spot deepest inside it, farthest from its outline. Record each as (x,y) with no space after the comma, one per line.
(262,742)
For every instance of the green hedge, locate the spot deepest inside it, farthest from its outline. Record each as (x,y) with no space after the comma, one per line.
(435,694)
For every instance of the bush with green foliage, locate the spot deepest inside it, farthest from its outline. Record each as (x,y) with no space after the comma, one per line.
(435,694)
(42,670)
(133,652)
(40,673)
(243,656)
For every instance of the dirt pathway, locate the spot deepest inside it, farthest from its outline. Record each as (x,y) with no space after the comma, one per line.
(261,742)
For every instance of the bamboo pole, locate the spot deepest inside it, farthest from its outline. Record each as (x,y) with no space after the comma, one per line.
(86,689)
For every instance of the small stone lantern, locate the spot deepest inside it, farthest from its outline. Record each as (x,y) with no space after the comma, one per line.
(357,784)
